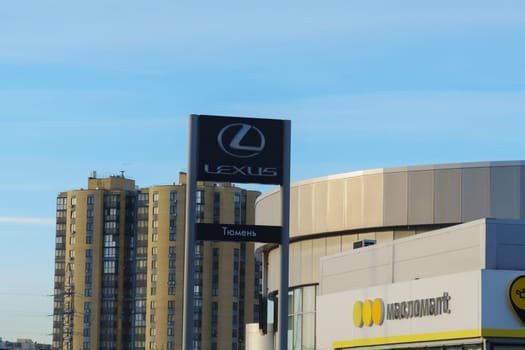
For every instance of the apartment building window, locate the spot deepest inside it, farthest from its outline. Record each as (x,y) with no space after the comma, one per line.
(173,216)
(216,207)
(236,260)
(155,230)
(143,199)
(111,214)
(87,325)
(237,207)
(173,229)
(214,324)
(235,326)
(200,205)
(110,266)
(215,272)
(111,201)
(61,203)
(89,215)
(109,241)
(88,269)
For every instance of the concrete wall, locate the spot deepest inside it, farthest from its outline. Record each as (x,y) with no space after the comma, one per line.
(481,244)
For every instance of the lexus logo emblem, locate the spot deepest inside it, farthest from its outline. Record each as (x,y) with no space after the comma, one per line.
(241,140)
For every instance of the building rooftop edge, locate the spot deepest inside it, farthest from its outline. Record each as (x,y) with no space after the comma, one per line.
(356,173)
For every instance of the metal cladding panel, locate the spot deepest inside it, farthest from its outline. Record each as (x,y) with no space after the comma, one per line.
(274,269)
(505,192)
(336,213)
(295,265)
(522,192)
(295,211)
(268,211)
(395,199)
(318,251)
(307,262)
(347,242)
(333,245)
(354,209)
(475,193)
(305,215)
(320,206)
(401,197)
(505,245)
(420,197)
(373,200)
(447,208)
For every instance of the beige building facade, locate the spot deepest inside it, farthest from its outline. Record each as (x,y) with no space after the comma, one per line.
(335,214)
(119,267)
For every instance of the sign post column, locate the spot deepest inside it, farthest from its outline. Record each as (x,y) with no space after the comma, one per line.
(189,247)
(285,239)
(237,150)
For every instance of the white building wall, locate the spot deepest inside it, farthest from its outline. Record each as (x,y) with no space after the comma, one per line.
(480,244)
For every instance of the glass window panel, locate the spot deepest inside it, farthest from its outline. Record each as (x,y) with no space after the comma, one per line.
(298,301)
(290,303)
(309,331)
(309,299)
(297,327)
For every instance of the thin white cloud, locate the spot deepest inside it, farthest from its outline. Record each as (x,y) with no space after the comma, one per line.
(27,221)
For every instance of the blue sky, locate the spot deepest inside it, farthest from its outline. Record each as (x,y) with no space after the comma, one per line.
(108,86)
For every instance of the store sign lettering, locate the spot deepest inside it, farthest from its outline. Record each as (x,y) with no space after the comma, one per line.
(419,308)
(369,313)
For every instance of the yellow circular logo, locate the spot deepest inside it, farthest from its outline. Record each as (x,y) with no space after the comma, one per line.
(368,313)
(378,311)
(358,314)
(517,297)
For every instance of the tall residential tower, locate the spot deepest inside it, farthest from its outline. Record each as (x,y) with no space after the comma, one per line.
(119,265)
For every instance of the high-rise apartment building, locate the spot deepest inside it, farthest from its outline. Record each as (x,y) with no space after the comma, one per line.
(119,265)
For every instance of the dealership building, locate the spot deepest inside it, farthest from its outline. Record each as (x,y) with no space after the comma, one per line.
(413,257)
